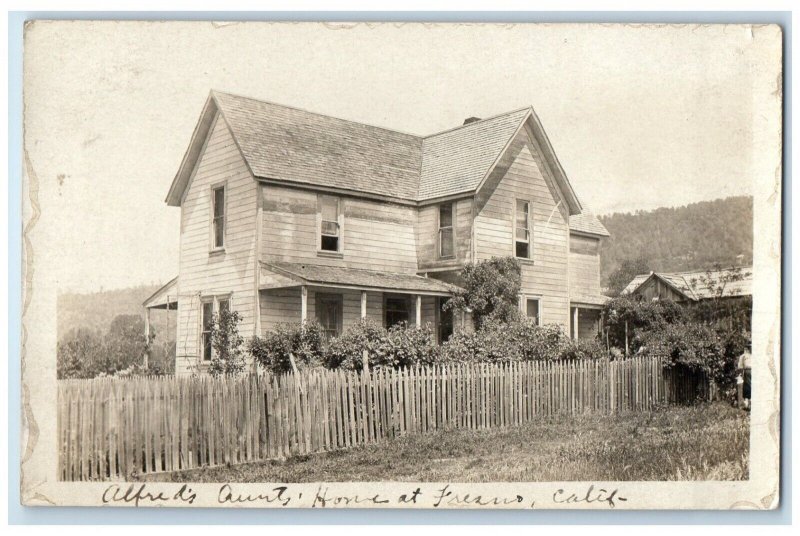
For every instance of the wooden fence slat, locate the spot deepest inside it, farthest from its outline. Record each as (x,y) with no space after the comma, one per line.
(110,428)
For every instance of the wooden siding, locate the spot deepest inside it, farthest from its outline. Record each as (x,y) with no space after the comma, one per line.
(588,320)
(427,233)
(375,235)
(523,175)
(584,267)
(229,272)
(655,288)
(283,305)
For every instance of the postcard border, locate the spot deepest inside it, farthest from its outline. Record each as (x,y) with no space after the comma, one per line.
(96,515)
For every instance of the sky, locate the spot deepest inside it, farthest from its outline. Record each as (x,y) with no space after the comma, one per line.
(639,116)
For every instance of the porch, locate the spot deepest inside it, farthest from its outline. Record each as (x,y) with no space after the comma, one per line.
(339,297)
(586,316)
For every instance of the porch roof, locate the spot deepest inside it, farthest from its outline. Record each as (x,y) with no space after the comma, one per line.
(164,298)
(593,300)
(288,274)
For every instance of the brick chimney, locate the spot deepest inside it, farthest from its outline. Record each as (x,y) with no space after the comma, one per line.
(469,120)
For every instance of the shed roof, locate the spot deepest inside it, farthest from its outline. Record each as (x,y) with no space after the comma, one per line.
(311,274)
(702,284)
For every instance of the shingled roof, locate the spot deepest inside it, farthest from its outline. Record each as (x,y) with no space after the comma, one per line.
(457,160)
(293,145)
(297,146)
(586,222)
(302,273)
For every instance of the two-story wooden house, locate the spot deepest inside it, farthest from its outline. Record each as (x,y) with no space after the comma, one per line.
(289,215)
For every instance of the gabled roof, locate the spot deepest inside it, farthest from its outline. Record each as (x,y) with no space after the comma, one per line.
(700,284)
(457,160)
(294,274)
(586,222)
(294,146)
(164,298)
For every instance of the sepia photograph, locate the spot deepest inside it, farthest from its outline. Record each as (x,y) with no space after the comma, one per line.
(401,265)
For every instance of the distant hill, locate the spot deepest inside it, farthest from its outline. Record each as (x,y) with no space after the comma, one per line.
(96,310)
(691,237)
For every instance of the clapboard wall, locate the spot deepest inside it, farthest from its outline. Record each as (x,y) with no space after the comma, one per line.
(522,174)
(232,271)
(375,235)
(584,265)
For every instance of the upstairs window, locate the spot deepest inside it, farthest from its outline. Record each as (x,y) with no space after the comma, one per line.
(218,220)
(522,233)
(330,231)
(446,235)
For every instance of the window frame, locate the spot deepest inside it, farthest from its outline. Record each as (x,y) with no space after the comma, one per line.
(215,300)
(439,229)
(440,300)
(213,218)
(339,224)
(523,306)
(515,239)
(330,297)
(405,298)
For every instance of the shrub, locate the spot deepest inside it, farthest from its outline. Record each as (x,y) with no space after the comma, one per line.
(399,346)
(582,350)
(490,290)
(304,341)
(518,341)
(227,344)
(409,346)
(698,347)
(639,316)
(345,351)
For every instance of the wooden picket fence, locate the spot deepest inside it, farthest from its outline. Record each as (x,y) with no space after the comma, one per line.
(112,428)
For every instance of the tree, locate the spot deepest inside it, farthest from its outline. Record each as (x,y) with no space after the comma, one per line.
(227,344)
(628,269)
(127,344)
(491,290)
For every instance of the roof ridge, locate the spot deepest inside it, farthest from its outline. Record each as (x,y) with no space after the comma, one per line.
(477,122)
(296,108)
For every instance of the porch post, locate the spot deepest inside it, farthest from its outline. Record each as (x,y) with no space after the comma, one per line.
(303,303)
(419,310)
(363,304)
(147,334)
(575,323)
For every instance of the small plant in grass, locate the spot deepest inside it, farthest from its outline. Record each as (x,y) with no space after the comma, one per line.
(228,357)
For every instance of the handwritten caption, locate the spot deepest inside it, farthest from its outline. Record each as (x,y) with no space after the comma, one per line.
(325,497)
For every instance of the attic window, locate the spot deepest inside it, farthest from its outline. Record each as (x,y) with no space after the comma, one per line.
(330,230)
(522,232)
(218,222)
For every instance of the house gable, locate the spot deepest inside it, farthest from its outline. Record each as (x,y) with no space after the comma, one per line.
(206,271)
(522,173)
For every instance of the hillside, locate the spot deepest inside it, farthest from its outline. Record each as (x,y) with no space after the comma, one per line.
(682,238)
(96,310)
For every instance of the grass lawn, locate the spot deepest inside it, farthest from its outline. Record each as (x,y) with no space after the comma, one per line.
(705,442)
